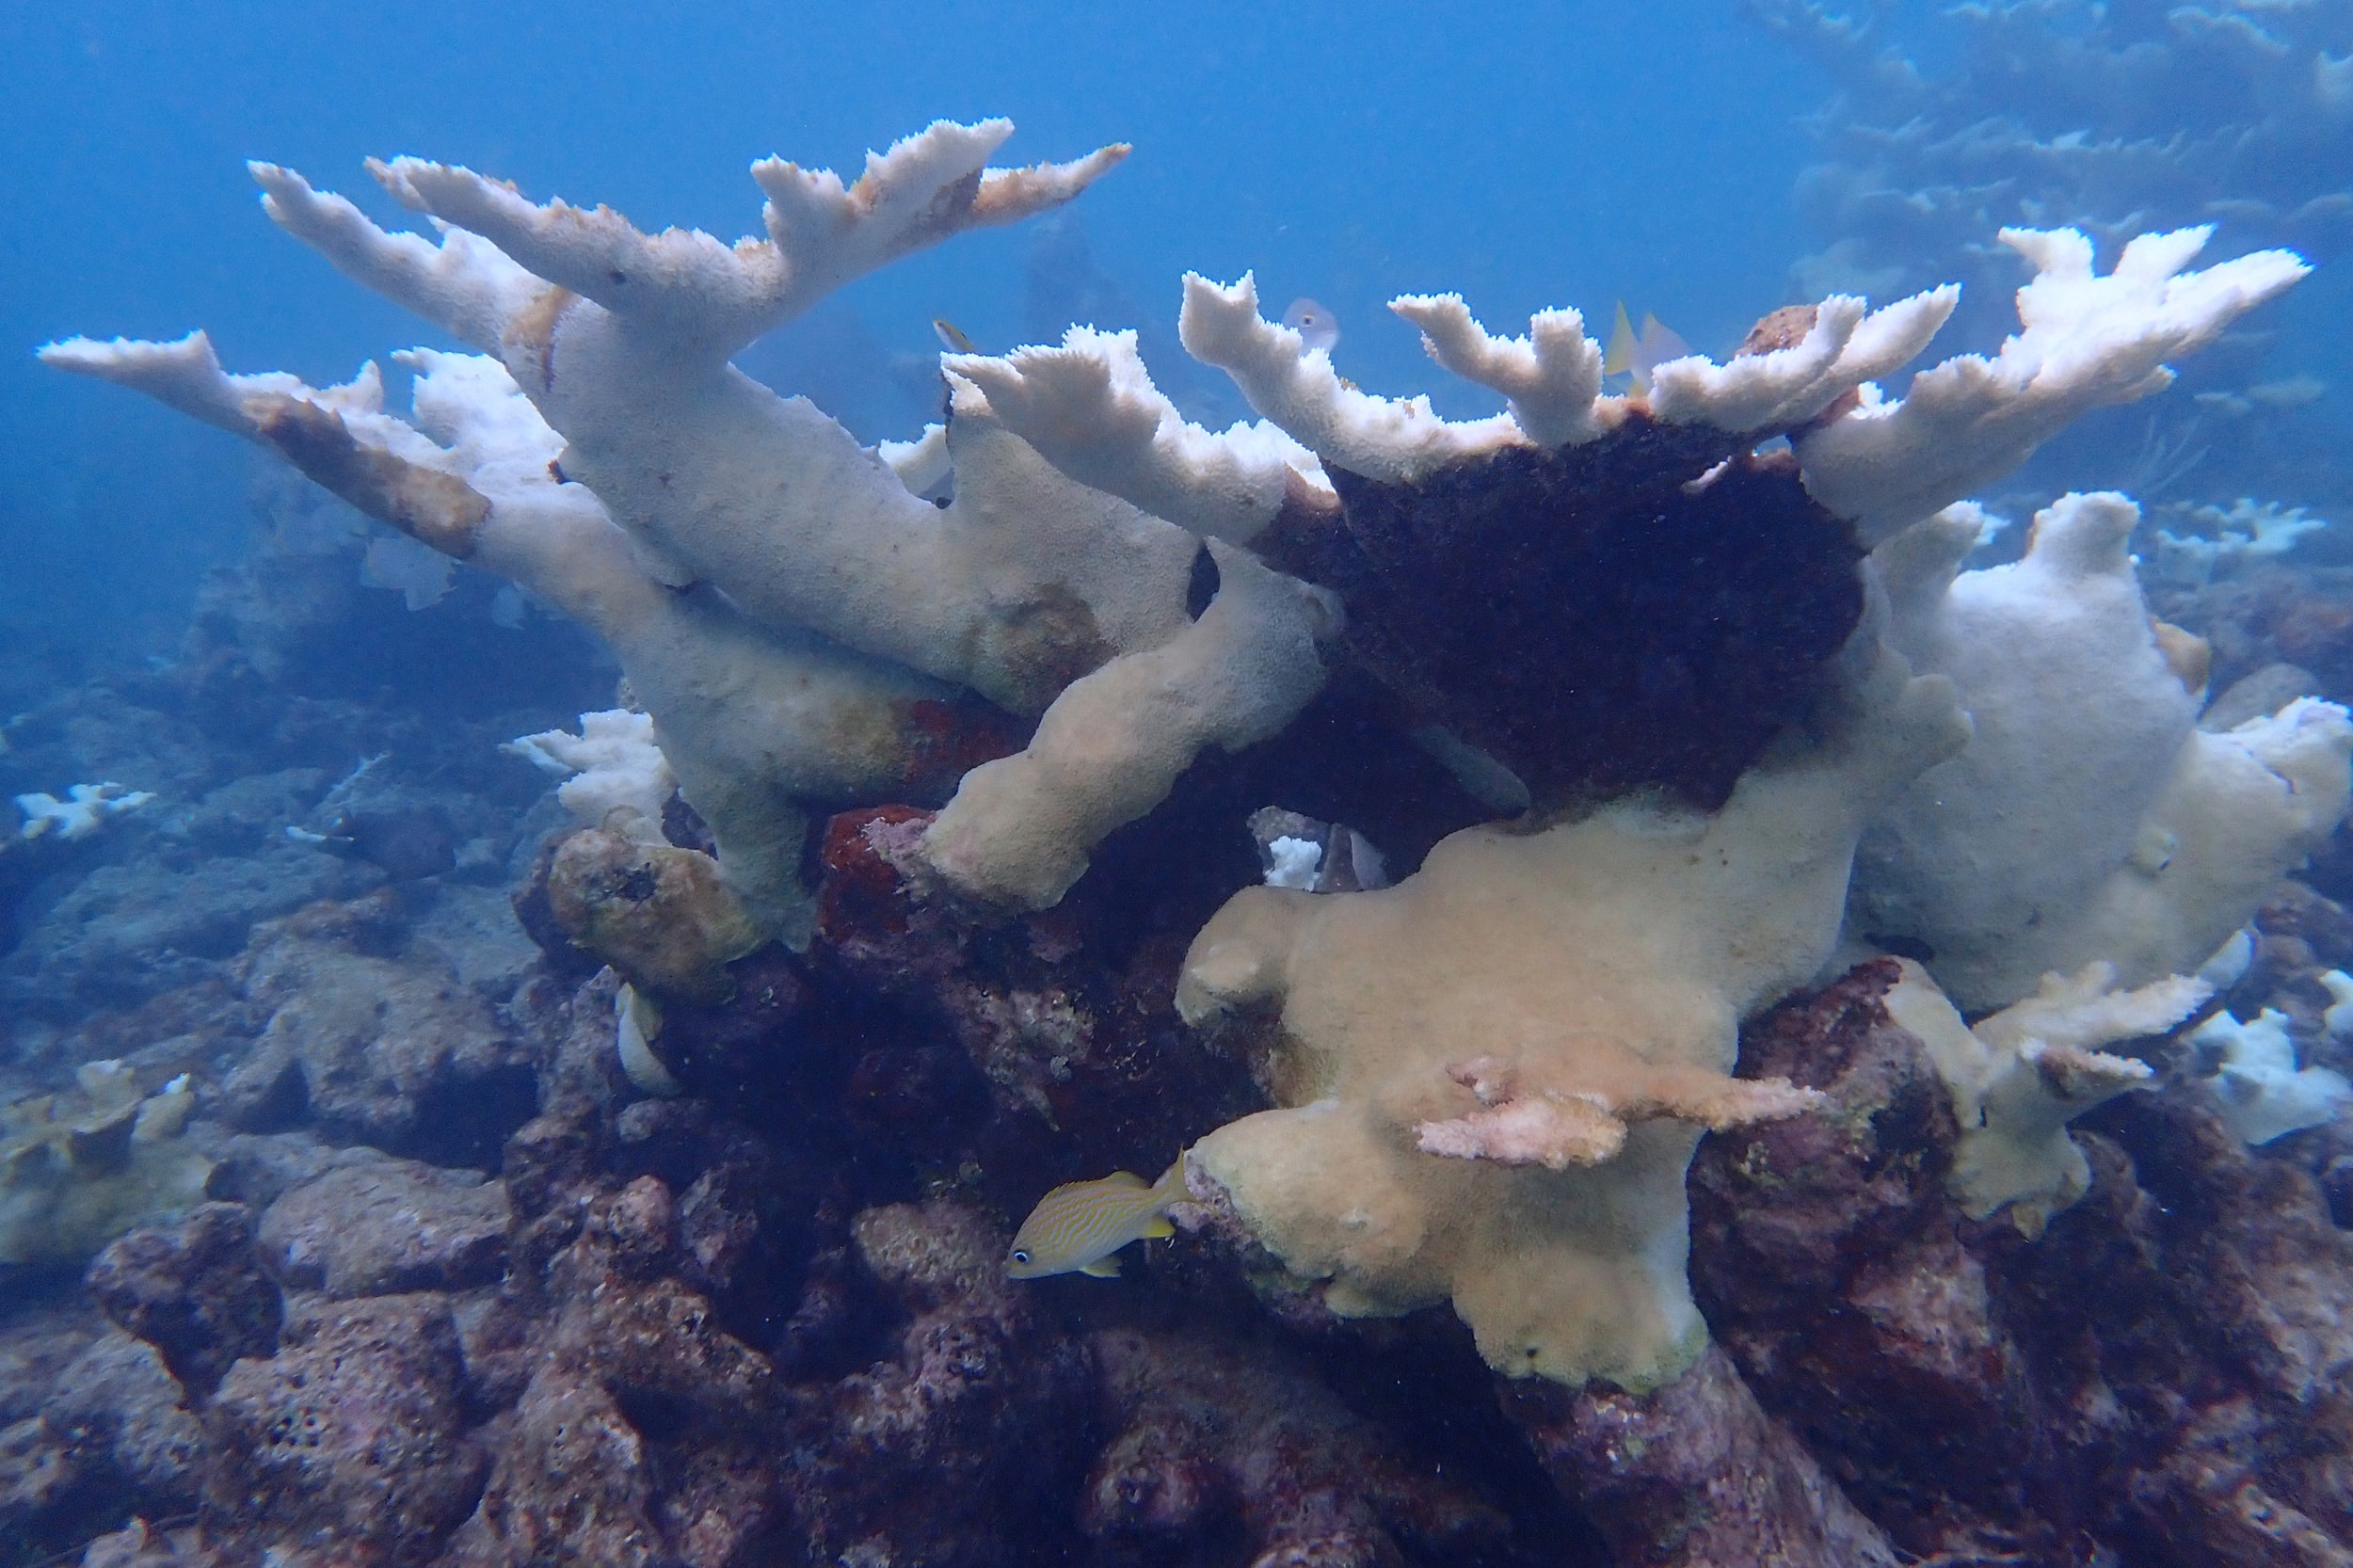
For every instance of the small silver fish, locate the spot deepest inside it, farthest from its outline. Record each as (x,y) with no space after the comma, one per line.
(1078,1226)
(952,337)
(1318,328)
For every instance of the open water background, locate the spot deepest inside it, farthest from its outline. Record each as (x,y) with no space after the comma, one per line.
(1525,155)
(1529,155)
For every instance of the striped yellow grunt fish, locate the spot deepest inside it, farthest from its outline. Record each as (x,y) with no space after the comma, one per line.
(1077,1228)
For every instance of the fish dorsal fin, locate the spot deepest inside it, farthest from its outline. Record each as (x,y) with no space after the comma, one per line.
(1102,1268)
(1127,1179)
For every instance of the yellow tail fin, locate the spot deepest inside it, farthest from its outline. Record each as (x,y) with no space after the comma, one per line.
(1619,355)
(1171,1187)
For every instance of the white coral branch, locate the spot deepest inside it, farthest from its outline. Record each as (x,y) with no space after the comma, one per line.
(2019,1078)
(1091,409)
(186,374)
(2084,1009)
(821,234)
(1021,829)
(1298,390)
(921,463)
(464,285)
(1552,376)
(1788,387)
(2084,341)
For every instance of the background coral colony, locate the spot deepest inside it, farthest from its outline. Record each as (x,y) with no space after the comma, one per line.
(1556,786)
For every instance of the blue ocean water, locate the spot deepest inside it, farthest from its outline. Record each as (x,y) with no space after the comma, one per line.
(1537,155)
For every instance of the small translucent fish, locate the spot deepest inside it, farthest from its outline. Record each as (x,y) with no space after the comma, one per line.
(422,574)
(951,336)
(1635,356)
(1077,1228)
(1318,329)
(2294,392)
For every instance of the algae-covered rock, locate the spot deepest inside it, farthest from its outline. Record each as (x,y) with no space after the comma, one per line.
(195,1290)
(663,917)
(396,1052)
(387,1225)
(350,1438)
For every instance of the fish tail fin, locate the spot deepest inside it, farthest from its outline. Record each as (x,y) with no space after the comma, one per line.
(1660,342)
(1620,357)
(1169,1190)
(1171,1187)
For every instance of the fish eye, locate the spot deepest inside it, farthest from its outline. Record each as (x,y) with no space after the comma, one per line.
(1020,1257)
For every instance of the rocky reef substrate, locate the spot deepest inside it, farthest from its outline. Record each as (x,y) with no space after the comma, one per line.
(459,1291)
(401,1171)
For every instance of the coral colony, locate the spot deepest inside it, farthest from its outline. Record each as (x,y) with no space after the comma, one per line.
(1738,806)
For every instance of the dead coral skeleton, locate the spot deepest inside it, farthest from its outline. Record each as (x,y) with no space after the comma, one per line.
(801,627)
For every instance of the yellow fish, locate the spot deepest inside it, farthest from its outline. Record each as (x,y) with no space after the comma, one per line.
(952,337)
(1635,356)
(1077,1228)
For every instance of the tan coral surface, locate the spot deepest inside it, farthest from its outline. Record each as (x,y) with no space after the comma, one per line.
(1600,967)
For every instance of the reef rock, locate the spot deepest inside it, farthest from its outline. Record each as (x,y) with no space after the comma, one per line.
(925,1457)
(1694,1473)
(387,1226)
(374,1049)
(118,1404)
(644,1433)
(1207,1433)
(2144,1379)
(125,932)
(351,1439)
(195,1290)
